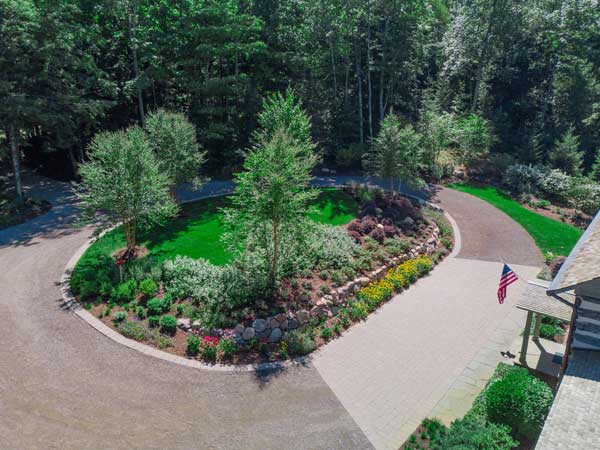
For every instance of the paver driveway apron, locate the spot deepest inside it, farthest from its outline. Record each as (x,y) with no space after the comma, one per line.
(431,349)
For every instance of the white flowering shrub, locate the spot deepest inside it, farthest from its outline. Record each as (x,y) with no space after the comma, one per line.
(524,179)
(330,247)
(585,195)
(556,185)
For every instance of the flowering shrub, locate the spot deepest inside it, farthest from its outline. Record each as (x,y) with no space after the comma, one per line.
(556,185)
(524,179)
(330,247)
(208,347)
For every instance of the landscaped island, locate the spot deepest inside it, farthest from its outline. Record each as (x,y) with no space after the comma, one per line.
(190,296)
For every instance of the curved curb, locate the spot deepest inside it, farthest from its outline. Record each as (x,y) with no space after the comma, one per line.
(73,305)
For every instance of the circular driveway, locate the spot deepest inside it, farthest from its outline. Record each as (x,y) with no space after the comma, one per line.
(63,385)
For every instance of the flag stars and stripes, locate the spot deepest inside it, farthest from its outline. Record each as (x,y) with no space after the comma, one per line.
(507,278)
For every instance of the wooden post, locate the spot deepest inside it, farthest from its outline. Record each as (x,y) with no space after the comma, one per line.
(536,328)
(523,357)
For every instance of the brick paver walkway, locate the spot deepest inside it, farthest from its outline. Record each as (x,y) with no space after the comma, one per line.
(431,350)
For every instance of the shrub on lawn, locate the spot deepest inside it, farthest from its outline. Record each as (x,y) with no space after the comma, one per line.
(519,401)
(148,287)
(168,324)
(193,344)
(466,434)
(524,179)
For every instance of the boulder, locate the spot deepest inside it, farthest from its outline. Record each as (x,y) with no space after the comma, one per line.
(283,324)
(259,325)
(275,335)
(184,324)
(196,325)
(292,324)
(274,323)
(302,316)
(239,328)
(248,334)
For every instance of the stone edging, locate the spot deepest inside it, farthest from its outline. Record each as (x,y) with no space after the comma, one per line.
(74,306)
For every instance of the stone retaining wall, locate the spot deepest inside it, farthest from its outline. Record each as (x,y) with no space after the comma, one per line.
(274,328)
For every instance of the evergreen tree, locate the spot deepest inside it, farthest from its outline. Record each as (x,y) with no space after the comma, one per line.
(566,155)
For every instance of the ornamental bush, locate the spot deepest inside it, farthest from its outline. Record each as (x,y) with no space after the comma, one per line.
(225,348)
(519,401)
(157,306)
(148,287)
(329,247)
(193,344)
(168,324)
(126,292)
(524,179)
(153,321)
(467,434)
(300,343)
(556,185)
(120,316)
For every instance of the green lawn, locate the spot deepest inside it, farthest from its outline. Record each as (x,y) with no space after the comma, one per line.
(549,235)
(197,232)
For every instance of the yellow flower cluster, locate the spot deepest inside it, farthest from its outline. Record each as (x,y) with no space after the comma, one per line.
(395,280)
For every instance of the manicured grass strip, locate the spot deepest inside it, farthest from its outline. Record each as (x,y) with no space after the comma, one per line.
(197,231)
(550,235)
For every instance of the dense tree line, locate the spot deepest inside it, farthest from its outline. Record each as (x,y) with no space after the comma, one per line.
(529,68)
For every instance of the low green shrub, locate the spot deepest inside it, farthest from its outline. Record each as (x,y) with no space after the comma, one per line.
(519,401)
(396,246)
(326,333)
(465,434)
(157,306)
(120,316)
(193,344)
(225,348)
(148,287)
(140,312)
(153,321)
(168,324)
(300,343)
(125,292)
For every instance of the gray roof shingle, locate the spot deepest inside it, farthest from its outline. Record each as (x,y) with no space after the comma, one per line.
(574,420)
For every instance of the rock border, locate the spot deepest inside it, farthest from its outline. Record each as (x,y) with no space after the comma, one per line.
(73,305)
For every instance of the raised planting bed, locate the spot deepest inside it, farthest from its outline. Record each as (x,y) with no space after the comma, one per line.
(192,307)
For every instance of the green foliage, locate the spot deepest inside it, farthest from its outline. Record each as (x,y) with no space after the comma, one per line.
(173,139)
(140,312)
(350,157)
(466,434)
(193,344)
(396,153)
(126,292)
(225,348)
(148,287)
(120,316)
(122,180)
(168,324)
(519,401)
(153,321)
(566,155)
(157,306)
(300,343)
(474,139)
(271,198)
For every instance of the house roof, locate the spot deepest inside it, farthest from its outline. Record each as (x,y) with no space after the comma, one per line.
(583,263)
(573,422)
(535,299)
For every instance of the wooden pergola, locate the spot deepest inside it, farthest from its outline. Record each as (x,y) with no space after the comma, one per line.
(538,303)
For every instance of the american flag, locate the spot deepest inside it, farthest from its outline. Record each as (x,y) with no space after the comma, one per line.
(507,278)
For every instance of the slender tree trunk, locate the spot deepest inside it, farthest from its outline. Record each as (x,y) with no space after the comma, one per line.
(346,82)
(382,72)
(360,96)
(136,68)
(483,56)
(16,160)
(369,64)
(73,160)
(275,254)
(333,68)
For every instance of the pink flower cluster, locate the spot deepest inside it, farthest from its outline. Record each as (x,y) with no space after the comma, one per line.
(210,340)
